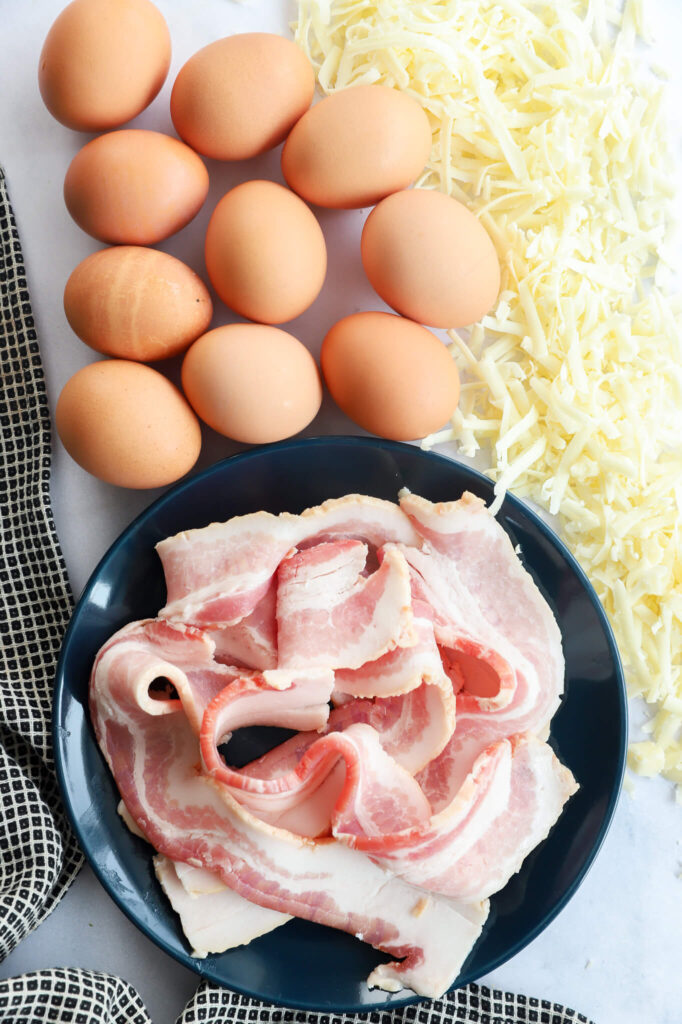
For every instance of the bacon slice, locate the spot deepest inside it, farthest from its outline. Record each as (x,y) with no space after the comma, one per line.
(251,642)
(330,614)
(216,919)
(398,671)
(217,575)
(375,785)
(178,657)
(470,538)
(411,728)
(493,625)
(509,801)
(468,640)
(190,818)
(414,727)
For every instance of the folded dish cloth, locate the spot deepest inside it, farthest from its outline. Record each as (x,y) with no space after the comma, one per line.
(39,857)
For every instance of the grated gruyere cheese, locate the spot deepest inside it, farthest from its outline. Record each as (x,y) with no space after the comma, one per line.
(548,124)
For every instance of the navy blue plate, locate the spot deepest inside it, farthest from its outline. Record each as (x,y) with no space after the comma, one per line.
(304,965)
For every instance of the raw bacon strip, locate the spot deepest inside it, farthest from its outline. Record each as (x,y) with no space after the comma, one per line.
(299,703)
(463,631)
(411,728)
(251,642)
(196,881)
(330,614)
(480,594)
(217,920)
(540,786)
(190,818)
(506,806)
(210,925)
(414,727)
(377,787)
(393,976)
(399,671)
(178,655)
(290,700)
(217,575)
(472,646)
(470,537)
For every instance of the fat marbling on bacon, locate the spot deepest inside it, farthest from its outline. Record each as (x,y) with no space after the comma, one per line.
(419,666)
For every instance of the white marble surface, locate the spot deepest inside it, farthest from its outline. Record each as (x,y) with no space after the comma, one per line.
(614,952)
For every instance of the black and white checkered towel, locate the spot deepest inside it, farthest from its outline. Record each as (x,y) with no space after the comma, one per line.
(39,857)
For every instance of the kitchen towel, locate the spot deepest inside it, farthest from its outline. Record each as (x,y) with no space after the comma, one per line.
(65,995)
(38,853)
(39,856)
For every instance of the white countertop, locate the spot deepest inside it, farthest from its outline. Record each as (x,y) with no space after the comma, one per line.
(613,953)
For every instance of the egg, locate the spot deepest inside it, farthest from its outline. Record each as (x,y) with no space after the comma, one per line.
(252,382)
(103,62)
(390,375)
(240,96)
(127,424)
(265,252)
(357,146)
(135,187)
(136,303)
(430,258)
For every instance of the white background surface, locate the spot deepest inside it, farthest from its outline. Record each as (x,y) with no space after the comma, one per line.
(615,952)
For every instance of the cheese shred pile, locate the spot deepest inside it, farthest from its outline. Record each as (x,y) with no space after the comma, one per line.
(550,126)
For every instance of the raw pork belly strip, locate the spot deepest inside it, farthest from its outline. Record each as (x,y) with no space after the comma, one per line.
(491,622)
(217,575)
(376,792)
(329,614)
(470,538)
(506,806)
(152,752)
(400,670)
(413,726)
(213,919)
(410,727)
(180,655)
(251,642)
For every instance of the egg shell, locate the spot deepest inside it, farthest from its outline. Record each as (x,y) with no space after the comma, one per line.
(136,303)
(357,146)
(135,187)
(265,252)
(127,424)
(390,375)
(430,258)
(240,96)
(103,62)
(252,382)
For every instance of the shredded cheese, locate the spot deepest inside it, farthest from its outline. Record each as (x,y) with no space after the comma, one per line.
(548,124)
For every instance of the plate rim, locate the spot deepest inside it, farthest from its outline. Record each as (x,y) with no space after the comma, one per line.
(511,502)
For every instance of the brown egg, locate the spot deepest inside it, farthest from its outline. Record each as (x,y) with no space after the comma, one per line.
(240,96)
(127,424)
(135,187)
(357,146)
(103,62)
(252,383)
(430,259)
(136,303)
(265,252)
(390,375)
